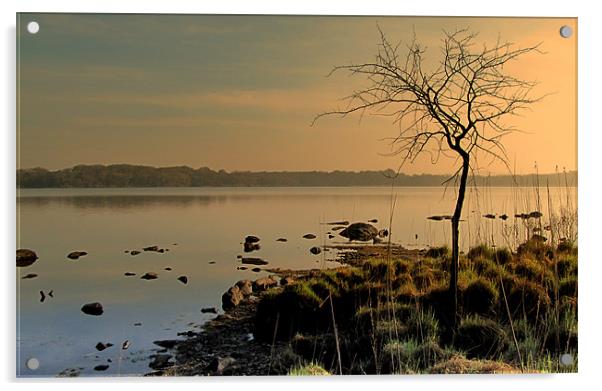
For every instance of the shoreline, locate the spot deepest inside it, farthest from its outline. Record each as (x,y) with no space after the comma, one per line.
(225,345)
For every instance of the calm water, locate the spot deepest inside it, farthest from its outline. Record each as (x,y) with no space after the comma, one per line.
(198,226)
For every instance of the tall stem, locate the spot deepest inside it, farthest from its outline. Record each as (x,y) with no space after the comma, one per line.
(455,261)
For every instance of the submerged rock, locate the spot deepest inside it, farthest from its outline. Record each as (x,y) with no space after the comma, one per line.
(95,309)
(26,257)
(254,261)
(149,276)
(76,254)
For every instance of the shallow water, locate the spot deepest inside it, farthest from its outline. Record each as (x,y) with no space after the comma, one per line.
(198,226)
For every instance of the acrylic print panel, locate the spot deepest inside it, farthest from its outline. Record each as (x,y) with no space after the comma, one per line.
(306,195)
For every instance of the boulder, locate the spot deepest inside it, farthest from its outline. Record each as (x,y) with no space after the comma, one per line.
(251,239)
(92,309)
(245,287)
(26,257)
(76,254)
(249,247)
(286,280)
(102,367)
(209,310)
(231,298)
(315,250)
(183,279)
(264,283)
(149,276)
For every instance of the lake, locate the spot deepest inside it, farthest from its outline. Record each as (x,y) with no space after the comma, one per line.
(199,226)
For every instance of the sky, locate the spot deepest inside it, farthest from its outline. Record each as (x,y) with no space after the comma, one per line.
(240,92)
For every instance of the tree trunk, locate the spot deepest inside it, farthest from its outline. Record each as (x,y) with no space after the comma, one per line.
(455,261)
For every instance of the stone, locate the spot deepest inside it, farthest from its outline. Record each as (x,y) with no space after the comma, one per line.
(76,254)
(134,252)
(102,367)
(183,279)
(245,287)
(29,276)
(209,310)
(102,346)
(251,239)
(94,309)
(220,364)
(149,276)
(231,298)
(309,236)
(254,261)
(166,343)
(315,250)
(26,257)
(265,283)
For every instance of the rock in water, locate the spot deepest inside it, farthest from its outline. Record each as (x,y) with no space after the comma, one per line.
(102,346)
(315,250)
(232,298)
(102,367)
(251,239)
(264,283)
(151,248)
(149,276)
(29,276)
(134,252)
(362,232)
(76,254)
(26,257)
(129,274)
(166,343)
(254,261)
(183,279)
(282,240)
(93,309)
(286,280)
(249,247)
(309,236)
(209,310)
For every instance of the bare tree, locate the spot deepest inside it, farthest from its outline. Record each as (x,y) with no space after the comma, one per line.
(454,106)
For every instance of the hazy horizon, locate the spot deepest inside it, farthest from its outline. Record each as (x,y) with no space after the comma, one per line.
(239,92)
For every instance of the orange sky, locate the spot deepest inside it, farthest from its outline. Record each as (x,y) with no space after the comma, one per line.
(240,92)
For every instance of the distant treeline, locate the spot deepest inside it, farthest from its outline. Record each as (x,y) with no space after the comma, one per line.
(125,175)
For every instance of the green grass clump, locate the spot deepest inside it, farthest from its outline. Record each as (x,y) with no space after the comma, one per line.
(480,297)
(480,251)
(527,298)
(566,265)
(481,337)
(502,256)
(568,287)
(311,369)
(437,252)
(422,325)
